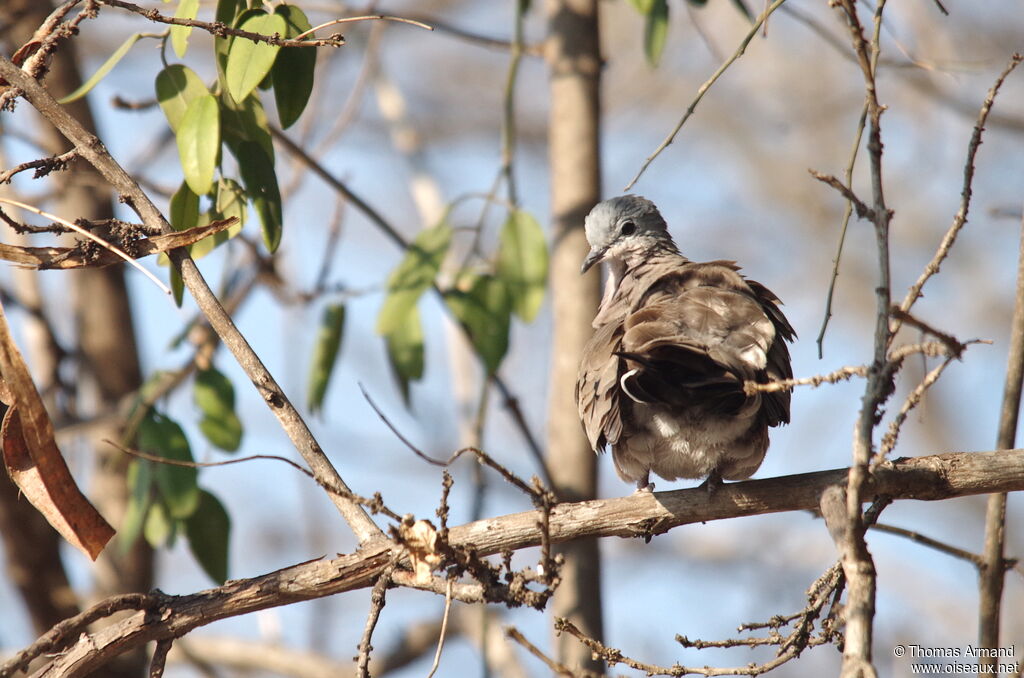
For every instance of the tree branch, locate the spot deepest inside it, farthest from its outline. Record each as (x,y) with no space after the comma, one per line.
(93,150)
(638,515)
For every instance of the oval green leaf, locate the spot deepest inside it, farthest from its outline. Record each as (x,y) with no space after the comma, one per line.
(248,61)
(656,31)
(209,533)
(159,529)
(184,208)
(199,143)
(162,437)
(102,71)
(187,9)
(325,354)
(139,479)
(214,394)
(484,310)
(177,86)
(523,263)
(261,185)
(414,275)
(293,70)
(405,351)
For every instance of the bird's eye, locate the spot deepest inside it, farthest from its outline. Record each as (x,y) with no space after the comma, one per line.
(628,228)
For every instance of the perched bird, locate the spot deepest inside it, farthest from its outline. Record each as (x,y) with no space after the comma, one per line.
(661,381)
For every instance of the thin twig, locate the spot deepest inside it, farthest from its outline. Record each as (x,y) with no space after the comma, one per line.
(924,540)
(42,167)
(702,90)
(556,668)
(847,212)
(91,236)
(911,401)
(159,660)
(949,239)
(368,17)
(614,656)
(375,503)
(444,630)
(863,211)
(223,30)
(377,599)
(842,374)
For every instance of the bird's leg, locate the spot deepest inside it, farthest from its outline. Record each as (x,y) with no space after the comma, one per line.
(712,483)
(645,484)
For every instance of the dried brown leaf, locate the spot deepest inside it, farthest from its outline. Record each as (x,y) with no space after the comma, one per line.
(33,460)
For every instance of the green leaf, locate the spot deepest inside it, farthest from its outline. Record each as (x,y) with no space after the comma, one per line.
(243,122)
(293,70)
(523,263)
(656,31)
(184,208)
(484,310)
(248,61)
(199,143)
(414,275)
(184,215)
(139,479)
(229,202)
(215,396)
(405,351)
(107,66)
(187,9)
(177,86)
(159,529)
(325,354)
(261,184)
(209,533)
(228,12)
(162,437)
(177,287)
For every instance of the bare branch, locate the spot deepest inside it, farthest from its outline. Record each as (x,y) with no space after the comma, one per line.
(42,167)
(923,478)
(380,587)
(863,211)
(223,30)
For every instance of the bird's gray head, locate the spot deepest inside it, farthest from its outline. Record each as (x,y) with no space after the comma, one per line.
(618,227)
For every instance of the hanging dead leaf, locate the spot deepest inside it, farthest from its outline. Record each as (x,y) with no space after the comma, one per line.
(33,460)
(421,540)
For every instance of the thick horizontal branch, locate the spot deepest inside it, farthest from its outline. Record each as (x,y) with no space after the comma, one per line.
(639,515)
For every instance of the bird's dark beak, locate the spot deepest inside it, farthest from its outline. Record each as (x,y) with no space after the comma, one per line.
(595,255)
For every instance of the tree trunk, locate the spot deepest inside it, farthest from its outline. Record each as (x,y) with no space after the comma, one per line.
(574,61)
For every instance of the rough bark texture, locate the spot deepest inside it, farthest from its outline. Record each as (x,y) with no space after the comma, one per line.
(103,321)
(574,60)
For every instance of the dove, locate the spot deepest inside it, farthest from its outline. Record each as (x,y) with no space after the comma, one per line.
(661,382)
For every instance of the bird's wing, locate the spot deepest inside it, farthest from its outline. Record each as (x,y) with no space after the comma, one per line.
(597,387)
(697,333)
